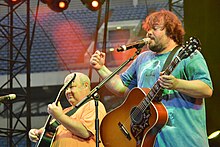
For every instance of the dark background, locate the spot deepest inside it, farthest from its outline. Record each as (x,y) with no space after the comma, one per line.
(202,19)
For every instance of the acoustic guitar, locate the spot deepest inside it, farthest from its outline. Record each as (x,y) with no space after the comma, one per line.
(50,127)
(137,121)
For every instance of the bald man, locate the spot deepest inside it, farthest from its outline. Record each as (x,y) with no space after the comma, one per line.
(78,129)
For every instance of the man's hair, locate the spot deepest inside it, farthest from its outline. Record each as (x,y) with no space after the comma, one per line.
(170,21)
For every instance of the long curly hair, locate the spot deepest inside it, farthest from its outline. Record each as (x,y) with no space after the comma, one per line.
(169,20)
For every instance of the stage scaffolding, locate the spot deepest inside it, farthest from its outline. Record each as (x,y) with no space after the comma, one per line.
(15,61)
(177,6)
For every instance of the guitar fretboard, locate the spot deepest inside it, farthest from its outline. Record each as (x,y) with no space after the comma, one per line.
(155,90)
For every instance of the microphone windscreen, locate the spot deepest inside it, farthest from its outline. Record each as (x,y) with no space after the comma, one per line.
(12,96)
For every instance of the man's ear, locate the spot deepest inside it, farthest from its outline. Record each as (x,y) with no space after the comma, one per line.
(86,84)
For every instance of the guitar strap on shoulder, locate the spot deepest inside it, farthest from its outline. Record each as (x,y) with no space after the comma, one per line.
(170,57)
(167,62)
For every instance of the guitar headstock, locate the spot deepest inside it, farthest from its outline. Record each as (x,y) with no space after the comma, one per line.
(190,46)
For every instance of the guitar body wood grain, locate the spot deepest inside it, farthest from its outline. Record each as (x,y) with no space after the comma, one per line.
(116,127)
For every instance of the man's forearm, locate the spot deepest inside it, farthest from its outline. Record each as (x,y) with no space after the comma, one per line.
(115,84)
(195,88)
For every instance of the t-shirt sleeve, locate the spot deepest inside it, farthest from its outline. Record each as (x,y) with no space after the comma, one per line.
(88,115)
(129,77)
(196,68)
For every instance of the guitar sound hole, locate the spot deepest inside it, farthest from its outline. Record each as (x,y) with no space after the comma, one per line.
(136,115)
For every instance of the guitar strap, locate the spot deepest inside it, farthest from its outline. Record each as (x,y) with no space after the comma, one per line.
(167,62)
(55,124)
(170,57)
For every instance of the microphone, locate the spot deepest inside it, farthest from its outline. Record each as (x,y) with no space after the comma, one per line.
(137,45)
(7,97)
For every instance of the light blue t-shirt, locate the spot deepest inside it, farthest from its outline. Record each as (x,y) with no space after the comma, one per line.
(186,125)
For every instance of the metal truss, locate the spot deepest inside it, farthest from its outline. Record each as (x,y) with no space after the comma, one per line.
(15,47)
(15,61)
(177,6)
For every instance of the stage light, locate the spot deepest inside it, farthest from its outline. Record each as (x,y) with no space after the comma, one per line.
(12,2)
(93,5)
(214,138)
(62,5)
(57,5)
(214,134)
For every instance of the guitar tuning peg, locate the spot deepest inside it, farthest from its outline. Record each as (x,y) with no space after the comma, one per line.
(191,56)
(184,45)
(195,53)
(192,38)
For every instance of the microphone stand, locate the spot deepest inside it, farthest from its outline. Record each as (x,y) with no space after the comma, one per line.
(96,98)
(94,95)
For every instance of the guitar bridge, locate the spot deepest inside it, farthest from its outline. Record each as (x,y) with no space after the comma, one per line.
(124,131)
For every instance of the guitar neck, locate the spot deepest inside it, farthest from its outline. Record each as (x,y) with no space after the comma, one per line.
(156,89)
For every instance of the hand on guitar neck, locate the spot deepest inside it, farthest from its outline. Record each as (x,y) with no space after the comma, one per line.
(34,134)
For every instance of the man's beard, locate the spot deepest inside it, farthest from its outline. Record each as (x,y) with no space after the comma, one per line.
(156,48)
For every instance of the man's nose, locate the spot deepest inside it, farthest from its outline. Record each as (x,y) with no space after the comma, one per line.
(149,34)
(67,90)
